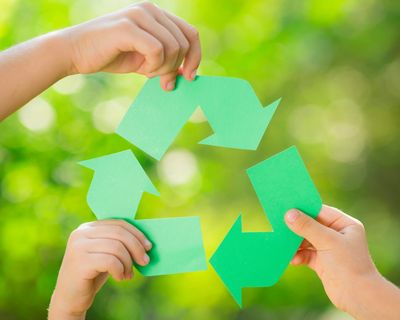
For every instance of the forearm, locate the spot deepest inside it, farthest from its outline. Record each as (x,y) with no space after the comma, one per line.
(31,67)
(376,298)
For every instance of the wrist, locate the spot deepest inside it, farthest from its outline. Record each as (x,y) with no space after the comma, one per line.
(373,297)
(59,310)
(59,44)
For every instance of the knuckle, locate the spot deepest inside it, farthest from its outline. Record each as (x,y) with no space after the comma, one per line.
(147,5)
(193,33)
(119,231)
(135,12)
(140,235)
(156,49)
(116,246)
(112,262)
(185,46)
(137,247)
(174,49)
(125,24)
(75,235)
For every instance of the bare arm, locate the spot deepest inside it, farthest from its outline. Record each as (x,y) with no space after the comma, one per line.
(29,68)
(142,38)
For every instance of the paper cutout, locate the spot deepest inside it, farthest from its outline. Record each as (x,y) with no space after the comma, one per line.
(117,186)
(232,108)
(258,259)
(115,192)
(177,245)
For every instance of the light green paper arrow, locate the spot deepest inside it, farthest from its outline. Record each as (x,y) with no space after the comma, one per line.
(118,184)
(115,192)
(232,108)
(258,259)
(177,245)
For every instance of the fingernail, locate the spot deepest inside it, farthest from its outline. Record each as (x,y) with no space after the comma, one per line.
(292,215)
(171,85)
(129,275)
(147,244)
(193,75)
(146,259)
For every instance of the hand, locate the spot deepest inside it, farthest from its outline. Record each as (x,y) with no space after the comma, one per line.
(94,251)
(142,38)
(335,247)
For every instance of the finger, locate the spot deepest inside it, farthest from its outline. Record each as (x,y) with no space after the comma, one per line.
(335,218)
(131,243)
(166,37)
(127,226)
(193,56)
(148,46)
(162,18)
(168,81)
(305,244)
(303,225)
(102,262)
(304,257)
(112,247)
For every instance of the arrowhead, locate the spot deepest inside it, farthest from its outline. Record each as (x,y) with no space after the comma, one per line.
(226,261)
(117,185)
(124,163)
(247,134)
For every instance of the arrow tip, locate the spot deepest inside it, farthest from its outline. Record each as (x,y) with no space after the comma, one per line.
(225,258)
(88,164)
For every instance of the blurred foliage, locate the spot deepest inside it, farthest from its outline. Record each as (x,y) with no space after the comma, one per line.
(337,66)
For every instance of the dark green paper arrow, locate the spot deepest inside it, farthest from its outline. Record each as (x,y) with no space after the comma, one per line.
(230,105)
(258,259)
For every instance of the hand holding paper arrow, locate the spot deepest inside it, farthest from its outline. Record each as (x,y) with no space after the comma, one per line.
(258,259)
(115,192)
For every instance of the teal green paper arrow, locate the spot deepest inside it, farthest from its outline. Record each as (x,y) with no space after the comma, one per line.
(232,108)
(258,259)
(115,192)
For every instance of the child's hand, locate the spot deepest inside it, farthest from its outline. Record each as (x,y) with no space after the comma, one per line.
(142,38)
(335,247)
(94,251)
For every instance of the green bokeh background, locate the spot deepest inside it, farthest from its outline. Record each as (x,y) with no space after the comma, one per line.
(337,66)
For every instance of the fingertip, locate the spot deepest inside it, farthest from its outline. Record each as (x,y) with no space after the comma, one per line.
(147,245)
(146,260)
(291,216)
(129,276)
(168,83)
(189,75)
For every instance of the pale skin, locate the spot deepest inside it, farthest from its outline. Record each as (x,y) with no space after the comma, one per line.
(142,38)
(146,39)
(335,247)
(94,251)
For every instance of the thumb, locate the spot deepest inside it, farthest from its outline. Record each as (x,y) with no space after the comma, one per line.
(303,225)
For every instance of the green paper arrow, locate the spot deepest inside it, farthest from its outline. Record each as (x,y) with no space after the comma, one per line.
(115,192)
(118,184)
(258,259)
(232,108)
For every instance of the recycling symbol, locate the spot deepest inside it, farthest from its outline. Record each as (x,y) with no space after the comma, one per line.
(238,120)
